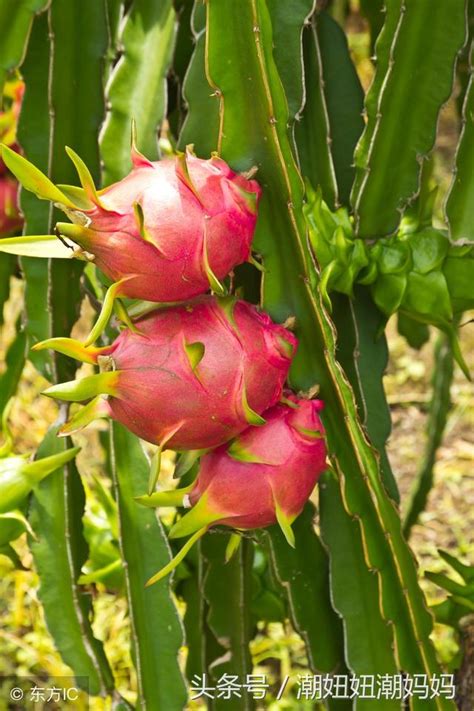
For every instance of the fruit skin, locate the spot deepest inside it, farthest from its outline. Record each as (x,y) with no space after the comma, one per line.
(267,474)
(194,376)
(173,228)
(264,477)
(208,399)
(11,220)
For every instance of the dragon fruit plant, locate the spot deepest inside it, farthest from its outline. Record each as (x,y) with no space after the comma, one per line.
(169,231)
(265,476)
(253,84)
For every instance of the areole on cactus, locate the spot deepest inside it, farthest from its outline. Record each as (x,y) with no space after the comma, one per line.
(169,231)
(265,476)
(187,377)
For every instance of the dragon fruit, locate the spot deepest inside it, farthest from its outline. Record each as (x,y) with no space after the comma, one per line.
(10,217)
(264,477)
(167,232)
(192,377)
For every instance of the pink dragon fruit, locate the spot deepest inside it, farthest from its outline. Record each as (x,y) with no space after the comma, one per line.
(264,477)
(11,220)
(167,232)
(194,376)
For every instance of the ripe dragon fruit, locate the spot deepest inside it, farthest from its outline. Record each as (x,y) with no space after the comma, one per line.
(264,477)
(10,217)
(194,376)
(167,232)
